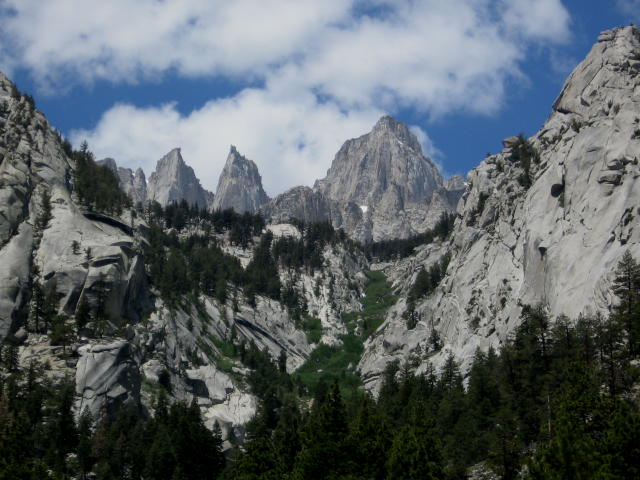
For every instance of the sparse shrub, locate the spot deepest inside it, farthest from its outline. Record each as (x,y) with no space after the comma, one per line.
(42,221)
(576,125)
(313,329)
(524,153)
(15,93)
(164,379)
(479,208)
(427,280)
(30,101)
(435,343)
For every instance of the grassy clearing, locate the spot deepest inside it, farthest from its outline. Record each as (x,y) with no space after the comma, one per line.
(378,299)
(338,363)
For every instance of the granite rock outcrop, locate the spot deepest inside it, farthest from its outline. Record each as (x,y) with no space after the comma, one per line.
(173,180)
(548,229)
(239,185)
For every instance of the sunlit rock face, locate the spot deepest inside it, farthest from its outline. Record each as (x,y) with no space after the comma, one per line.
(556,242)
(380,186)
(173,181)
(239,185)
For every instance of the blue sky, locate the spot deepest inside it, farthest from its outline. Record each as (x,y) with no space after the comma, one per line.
(288,82)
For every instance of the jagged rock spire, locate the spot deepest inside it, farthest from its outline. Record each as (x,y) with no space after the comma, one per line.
(174,181)
(239,185)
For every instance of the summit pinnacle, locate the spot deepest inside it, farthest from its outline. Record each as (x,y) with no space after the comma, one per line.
(239,185)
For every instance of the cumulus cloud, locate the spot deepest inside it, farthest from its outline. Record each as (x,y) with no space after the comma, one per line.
(328,69)
(542,20)
(630,7)
(124,41)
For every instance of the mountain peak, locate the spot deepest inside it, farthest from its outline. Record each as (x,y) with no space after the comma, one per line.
(174,180)
(236,158)
(239,185)
(173,158)
(388,158)
(387,121)
(388,125)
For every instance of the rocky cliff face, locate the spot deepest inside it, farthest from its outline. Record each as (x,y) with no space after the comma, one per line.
(77,254)
(388,159)
(173,181)
(239,185)
(380,186)
(71,253)
(34,166)
(311,205)
(138,345)
(299,202)
(550,232)
(134,184)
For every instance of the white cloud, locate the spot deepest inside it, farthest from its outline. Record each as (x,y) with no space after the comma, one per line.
(120,40)
(328,73)
(631,8)
(542,20)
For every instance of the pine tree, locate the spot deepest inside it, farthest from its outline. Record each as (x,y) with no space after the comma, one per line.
(369,441)
(453,416)
(259,462)
(50,307)
(85,440)
(282,361)
(609,342)
(286,437)
(593,434)
(483,400)
(61,332)
(415,454)
(62,429)
(626,286)
(323,454)
(37,305)
(10,357)
(45,216)
(83,313)
(160,461)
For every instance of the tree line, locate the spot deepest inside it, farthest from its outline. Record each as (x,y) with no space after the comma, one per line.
(97,186)
(186,258)
(556,401)
(387,250)
(41,439)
